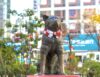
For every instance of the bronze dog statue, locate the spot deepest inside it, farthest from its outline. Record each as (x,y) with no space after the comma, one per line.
(52,44)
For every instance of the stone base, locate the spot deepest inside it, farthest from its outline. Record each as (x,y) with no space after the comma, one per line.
(53,75)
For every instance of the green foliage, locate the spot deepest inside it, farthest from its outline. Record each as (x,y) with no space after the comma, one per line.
(24,48)
(86,66)
(16,25)
(13,12)
(2,44)
(30,30)
(91,55)
(24,25)
(36,18)
(18,68)
(72,64)
(95,67)
(90,66)
(23,35)
(1,32)
(7,57)
(8,24)
(32,69)
(9,64)
(14,29)
(29,12)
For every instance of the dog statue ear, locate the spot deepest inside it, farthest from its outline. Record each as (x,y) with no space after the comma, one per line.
(45,17)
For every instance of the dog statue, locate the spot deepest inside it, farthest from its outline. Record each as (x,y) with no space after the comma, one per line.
(52,39)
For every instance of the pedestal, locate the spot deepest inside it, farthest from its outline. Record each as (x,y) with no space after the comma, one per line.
(53,75)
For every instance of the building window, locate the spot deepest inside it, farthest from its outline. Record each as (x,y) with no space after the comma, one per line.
(89,2)
(74,2)
(74,14)
(89,12)
(74,27)
(89,28)
(45,3)
(59,3)
(60,13)
(45,13)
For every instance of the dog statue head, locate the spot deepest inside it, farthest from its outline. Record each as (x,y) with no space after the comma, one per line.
(54,23)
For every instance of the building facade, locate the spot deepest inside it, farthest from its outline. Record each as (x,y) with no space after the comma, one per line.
(75,14)
(1,13)
(4,8)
